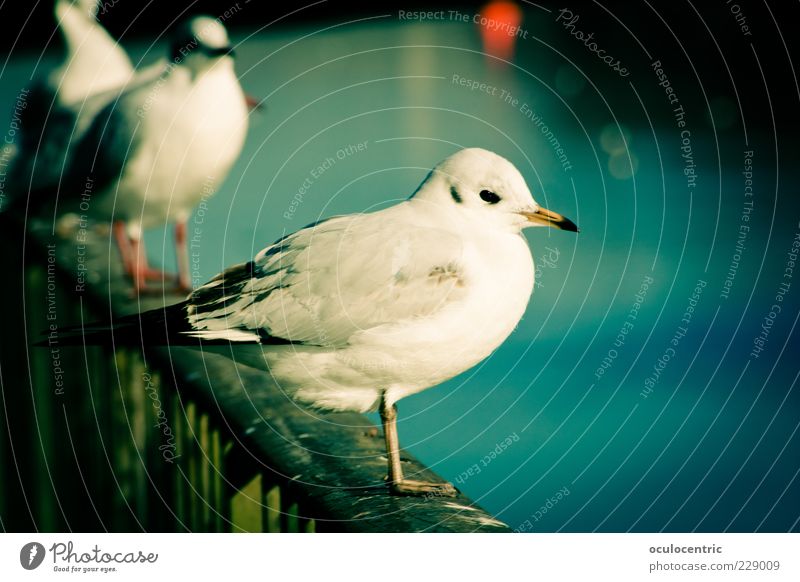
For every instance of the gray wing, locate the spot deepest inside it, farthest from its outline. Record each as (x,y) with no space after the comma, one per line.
(327,282)
(45,130)
(103,150)
(113,137)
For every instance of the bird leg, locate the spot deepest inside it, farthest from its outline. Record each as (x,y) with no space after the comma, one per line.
(140,270)
(134,258)
(123,245)
(139,267)
(182,252)
(398,484)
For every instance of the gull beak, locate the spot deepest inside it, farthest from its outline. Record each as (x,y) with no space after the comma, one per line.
(253,103)
(545,217)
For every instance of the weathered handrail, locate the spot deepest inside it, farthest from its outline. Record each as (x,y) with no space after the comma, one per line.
(170,439)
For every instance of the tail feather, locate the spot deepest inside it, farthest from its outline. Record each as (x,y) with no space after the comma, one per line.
(163,326)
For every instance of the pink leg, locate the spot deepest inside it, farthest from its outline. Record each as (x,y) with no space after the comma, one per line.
(138,274)
(134,259)
(147,272)
(142,272)
(182,251)
(123,245)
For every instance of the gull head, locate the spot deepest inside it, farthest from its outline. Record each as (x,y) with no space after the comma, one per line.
(88,8)
(486,189)
(199,42)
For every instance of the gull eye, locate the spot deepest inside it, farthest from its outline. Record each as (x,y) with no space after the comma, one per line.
(490,197)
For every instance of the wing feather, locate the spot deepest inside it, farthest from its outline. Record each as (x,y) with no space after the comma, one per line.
(327,282)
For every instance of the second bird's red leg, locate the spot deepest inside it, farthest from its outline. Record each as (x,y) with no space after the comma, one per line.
(123,245)
(139,260)
(182,252)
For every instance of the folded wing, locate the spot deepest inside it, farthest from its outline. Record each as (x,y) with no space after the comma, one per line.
(327,282)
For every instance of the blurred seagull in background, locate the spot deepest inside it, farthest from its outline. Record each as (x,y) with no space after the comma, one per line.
(356,312)
(63,102)
(94,62)
(165,143)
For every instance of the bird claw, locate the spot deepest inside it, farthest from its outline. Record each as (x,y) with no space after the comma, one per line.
(167,287)
(150,274)
(423,488)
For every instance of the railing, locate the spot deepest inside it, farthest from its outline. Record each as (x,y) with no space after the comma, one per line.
(170,439)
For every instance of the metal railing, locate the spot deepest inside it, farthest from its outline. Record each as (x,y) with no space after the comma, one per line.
(170,439)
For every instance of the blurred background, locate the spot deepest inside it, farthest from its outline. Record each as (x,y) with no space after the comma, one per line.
(633,386)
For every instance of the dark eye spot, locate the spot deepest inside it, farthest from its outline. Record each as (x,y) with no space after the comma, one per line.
(490,197)
(455,195)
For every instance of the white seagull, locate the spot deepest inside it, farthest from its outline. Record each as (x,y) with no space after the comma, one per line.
(151,155)
(63,102)
(94,62)
(356,312)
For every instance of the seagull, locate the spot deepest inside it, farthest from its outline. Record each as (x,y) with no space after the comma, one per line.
(356,312)
(153,153)
(94,62)
(63,102)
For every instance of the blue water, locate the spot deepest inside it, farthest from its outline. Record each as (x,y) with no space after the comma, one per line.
(713,445)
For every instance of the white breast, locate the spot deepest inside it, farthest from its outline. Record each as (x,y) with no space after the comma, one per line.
(500,277)
(191,134)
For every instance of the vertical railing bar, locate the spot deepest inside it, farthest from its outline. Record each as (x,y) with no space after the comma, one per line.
(179,487)
(272,509)
(205,472)
(217,484)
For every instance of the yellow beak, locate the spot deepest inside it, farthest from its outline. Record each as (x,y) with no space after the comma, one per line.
(545,217)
